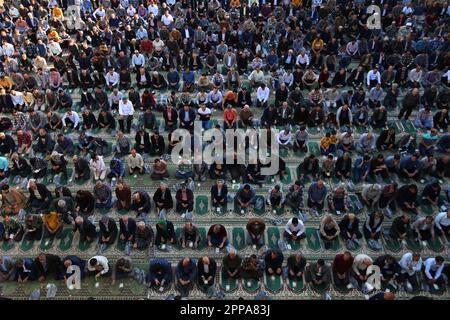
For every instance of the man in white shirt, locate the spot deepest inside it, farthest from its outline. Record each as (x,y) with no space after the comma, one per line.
(8,49)
(411,264)
(70,119)
(54,49)
(153,8)
(137,60)
(167,19)
(433,272)
(442,223)
(284,138)
(294,230)
(415,77)
(112,79)
(359,270)
(256,77)
(302,59)
(352,48)
(97,165)
(126,111)
(373,77)
(135,163)
(262,96)
(99,266)
(158,46)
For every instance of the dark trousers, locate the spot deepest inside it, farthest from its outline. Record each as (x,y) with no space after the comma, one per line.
(129,120)
(34,235)
(406,111)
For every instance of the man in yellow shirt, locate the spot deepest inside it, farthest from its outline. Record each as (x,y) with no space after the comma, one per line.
(5,82)
(53,225)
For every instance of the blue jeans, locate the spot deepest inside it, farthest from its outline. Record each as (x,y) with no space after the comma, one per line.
(206,124)
(427,123)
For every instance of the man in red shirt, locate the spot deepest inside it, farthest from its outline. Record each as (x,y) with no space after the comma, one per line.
(230,117)
(342,266)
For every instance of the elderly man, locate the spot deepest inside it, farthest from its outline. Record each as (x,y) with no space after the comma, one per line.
(33,227)
(47,264)
(144,236)
(371,195)
(86,228)
(141,204)
(186,272)
(64,206)
(359,270)
(231,265)
(135,163)
(108,233)
(329,230)
(40,197)
(206,273)
(366,143)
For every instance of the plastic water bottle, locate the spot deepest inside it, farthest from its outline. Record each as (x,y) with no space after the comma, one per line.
(57,179)
(113,182)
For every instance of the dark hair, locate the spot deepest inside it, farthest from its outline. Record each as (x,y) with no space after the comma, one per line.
(439,259)
(295,220)
(321,262)
(93,262)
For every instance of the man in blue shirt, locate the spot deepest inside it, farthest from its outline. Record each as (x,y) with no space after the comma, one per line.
(410,166)
(4,168)
(173,79)
(188,80)
(361,168)
(160,274)
(316,195)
